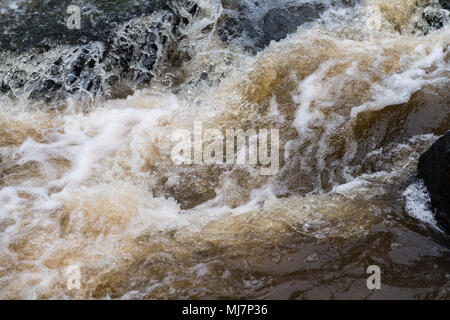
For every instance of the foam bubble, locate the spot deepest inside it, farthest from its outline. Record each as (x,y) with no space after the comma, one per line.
(418,203)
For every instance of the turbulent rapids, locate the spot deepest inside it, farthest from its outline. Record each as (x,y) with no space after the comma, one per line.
(357,90)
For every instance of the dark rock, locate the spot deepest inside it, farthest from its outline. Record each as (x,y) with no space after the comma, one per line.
(149,62)
(143,77)
(434,18)
(54,70)
(254,24)
(118,41)
(17,79)
(348,3)
(445,4)
(278,23)
(70,79)
(46,89)
(434,170)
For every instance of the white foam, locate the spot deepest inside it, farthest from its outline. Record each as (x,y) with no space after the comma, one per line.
(417,203)
(308,88)
(398,87)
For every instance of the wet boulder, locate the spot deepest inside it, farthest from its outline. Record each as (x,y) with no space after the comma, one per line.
(254,24)
(4,88)
(445,4)
(278,23)
(436,16)
(434,170)
(42,24)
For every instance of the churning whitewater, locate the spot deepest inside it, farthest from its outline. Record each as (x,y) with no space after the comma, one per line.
(357,92)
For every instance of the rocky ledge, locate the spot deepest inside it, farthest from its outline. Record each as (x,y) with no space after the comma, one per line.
(255,23)
(113,52)
(434,170)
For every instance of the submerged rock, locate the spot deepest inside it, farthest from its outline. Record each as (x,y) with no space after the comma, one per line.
(434,170)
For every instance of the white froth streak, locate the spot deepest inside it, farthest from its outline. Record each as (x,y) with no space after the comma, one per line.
(418,203)
(397,88)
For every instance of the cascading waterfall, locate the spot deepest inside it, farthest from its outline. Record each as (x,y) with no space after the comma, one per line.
(357,89)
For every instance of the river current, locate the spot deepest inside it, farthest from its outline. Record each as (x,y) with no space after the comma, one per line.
(356,96)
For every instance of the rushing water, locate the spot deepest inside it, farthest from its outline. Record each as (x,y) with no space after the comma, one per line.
(357,95)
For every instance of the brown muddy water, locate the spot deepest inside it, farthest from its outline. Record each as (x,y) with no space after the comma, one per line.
(356,100)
